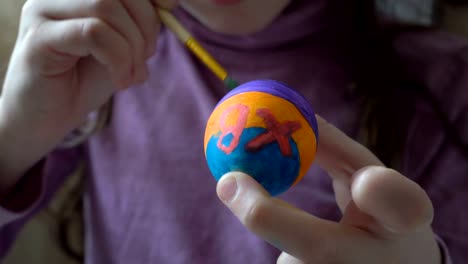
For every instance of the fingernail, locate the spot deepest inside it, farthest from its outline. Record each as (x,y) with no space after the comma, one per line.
(227,188)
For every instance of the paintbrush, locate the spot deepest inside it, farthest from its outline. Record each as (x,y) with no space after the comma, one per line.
(194,46)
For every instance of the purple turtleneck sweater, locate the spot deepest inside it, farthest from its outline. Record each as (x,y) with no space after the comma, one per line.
(149,196)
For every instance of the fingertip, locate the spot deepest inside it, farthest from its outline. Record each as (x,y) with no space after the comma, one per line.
(320,118)
(227,187)
(247,200)
(396,202)
(245,184)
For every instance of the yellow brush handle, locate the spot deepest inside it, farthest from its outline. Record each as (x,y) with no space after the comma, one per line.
(171,22)
(206,58)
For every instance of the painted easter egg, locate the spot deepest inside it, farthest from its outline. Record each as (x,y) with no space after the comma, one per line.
(265,129)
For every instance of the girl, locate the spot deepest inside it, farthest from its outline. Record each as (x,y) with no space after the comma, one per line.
(149,195)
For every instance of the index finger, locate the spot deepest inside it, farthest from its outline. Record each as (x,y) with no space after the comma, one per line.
(144,15)
(340,155)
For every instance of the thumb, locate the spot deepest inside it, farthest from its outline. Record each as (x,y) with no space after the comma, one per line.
(290,229)
(394,203)
(243,196)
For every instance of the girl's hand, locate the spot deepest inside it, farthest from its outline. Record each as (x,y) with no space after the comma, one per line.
(386,216)
(70,56)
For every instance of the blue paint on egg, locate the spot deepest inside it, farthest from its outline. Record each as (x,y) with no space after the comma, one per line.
(276,177)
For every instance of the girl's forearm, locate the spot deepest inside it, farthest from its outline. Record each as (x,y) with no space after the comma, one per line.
(22,145)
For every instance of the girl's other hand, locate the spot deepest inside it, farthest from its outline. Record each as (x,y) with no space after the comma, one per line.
(386,217)
(69,57)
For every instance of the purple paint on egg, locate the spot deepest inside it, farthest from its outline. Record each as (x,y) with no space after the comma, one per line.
(281,90)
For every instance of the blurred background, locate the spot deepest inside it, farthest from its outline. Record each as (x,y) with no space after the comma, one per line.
(55,235)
